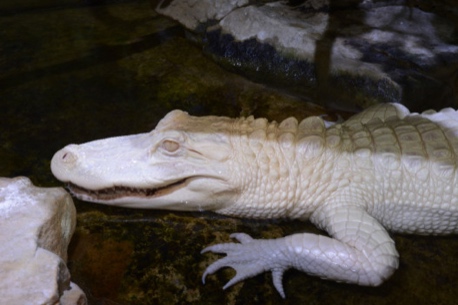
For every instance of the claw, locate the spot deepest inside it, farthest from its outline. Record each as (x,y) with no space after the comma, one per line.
(220,248)
(205,250)
(277,278)
(241,237)
(204,276)
(231,282)
(213,268)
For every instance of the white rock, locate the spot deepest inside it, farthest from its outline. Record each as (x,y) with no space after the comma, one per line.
(36,225)
(73,296)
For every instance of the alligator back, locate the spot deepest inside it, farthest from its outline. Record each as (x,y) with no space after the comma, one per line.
(413,165)
(391,132)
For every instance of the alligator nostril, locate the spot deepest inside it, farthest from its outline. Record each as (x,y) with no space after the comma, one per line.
(64,161)
(68,157)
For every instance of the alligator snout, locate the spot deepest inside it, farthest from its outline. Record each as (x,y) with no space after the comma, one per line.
(64,160)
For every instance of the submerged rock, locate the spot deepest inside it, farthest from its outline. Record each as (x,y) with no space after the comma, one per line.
(354,52)
(36,225)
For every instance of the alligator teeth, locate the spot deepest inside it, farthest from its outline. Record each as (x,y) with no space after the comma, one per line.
(120,191)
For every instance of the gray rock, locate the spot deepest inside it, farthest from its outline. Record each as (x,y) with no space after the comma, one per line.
(193,13)
(361,52)
(36,225)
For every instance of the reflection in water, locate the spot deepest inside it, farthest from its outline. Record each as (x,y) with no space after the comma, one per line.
(324,48)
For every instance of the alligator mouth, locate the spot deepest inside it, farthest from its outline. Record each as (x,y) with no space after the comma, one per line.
(117,192)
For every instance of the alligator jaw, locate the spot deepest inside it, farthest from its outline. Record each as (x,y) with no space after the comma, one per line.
(117,192)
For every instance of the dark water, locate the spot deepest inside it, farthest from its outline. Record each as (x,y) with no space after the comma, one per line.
(73,71)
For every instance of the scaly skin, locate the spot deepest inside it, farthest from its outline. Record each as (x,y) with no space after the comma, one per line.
(383,169)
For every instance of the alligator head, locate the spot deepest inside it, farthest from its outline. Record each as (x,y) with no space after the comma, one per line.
(181,164)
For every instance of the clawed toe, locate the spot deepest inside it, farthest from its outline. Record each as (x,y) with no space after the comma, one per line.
(247,258)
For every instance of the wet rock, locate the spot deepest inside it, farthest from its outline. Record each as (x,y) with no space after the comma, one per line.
(352,52)
(193,13)
(36,226)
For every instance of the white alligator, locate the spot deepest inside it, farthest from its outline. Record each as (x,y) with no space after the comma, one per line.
(383,169)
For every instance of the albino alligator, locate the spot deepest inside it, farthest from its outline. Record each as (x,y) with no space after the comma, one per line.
(382,169)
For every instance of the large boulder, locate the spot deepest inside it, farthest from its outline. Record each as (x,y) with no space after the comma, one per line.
(36,225)
(361,52)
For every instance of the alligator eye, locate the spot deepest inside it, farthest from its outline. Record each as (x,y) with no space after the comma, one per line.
(170,146)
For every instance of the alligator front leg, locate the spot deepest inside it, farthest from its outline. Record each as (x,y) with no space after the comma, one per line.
(359,251)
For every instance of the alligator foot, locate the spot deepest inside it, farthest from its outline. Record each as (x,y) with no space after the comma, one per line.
(249,258)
